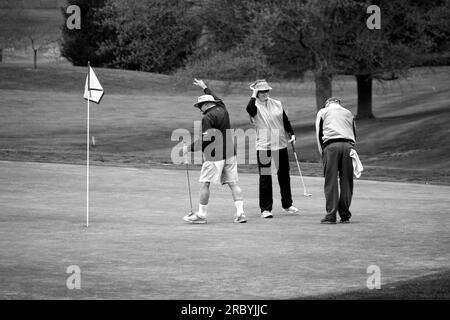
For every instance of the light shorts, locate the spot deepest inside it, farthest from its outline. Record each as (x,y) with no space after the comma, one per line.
(223,171)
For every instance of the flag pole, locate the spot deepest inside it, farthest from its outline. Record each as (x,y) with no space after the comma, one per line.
(87,148)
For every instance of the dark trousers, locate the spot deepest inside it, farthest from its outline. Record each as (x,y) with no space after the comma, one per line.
(281,160)
(337,164)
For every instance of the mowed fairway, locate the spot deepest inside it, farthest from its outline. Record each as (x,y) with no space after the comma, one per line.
(138,247)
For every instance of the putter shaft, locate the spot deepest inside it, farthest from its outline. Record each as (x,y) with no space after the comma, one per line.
(188,180)
(306,194)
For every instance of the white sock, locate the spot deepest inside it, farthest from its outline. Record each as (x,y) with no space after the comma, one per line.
(239,207)
(202,210)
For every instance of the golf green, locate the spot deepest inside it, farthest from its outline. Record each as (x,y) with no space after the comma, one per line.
(138,247)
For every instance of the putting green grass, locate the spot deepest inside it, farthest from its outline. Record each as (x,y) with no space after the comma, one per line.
(44,119)
(138,247)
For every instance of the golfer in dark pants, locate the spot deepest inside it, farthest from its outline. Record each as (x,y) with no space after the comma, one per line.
(273,134)
(281,160)
(336,136)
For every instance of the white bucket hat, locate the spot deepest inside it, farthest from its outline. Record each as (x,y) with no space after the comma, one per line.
(260,85)
(205,98)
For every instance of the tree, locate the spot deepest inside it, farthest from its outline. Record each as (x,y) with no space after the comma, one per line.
(411,33)
(82,45)
(155,36)
(225,23)
(232,42)
(39,42)
(291,36)
(302,40)
(332,38)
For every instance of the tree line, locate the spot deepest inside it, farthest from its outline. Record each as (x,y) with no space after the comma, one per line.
(244,40)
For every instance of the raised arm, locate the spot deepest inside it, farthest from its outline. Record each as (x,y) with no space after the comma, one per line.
(207,90)
(251,106)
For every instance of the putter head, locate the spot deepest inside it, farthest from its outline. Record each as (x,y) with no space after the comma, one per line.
(307,194)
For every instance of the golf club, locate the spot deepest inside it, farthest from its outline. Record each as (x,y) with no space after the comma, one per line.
(306,194)
(189,182)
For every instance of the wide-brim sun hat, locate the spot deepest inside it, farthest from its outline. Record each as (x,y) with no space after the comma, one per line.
(203,99)
(260,85)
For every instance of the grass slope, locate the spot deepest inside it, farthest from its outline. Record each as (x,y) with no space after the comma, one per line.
(435,286)
(17,25)
(44,119)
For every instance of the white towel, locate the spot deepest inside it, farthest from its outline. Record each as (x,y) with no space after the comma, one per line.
(357,165)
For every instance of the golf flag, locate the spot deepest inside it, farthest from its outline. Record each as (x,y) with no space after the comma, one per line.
(93,90)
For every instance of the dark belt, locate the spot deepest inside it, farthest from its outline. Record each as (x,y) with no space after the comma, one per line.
(328,142)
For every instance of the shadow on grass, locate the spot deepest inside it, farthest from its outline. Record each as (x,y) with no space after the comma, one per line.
(430,287)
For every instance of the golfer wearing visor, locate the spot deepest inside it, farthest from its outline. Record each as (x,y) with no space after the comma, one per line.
(273,134)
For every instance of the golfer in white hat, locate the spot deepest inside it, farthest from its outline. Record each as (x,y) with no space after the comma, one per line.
(219,153)
(273,133)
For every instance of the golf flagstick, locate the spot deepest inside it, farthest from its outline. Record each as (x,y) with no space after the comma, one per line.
(91,84)
(87,149)
(306,194)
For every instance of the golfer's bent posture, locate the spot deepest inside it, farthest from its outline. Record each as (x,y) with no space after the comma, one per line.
(219,154)
(272,124)
(336,136)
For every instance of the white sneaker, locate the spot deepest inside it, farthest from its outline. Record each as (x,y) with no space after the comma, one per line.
(194,218)
(292,209)
(266,214)
(241,218)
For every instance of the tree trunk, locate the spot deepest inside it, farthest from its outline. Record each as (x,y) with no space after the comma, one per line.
(35,58)
(364,85)
(323,88)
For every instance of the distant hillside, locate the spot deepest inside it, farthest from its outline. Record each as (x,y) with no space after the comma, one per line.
(18,26)
(32,4)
